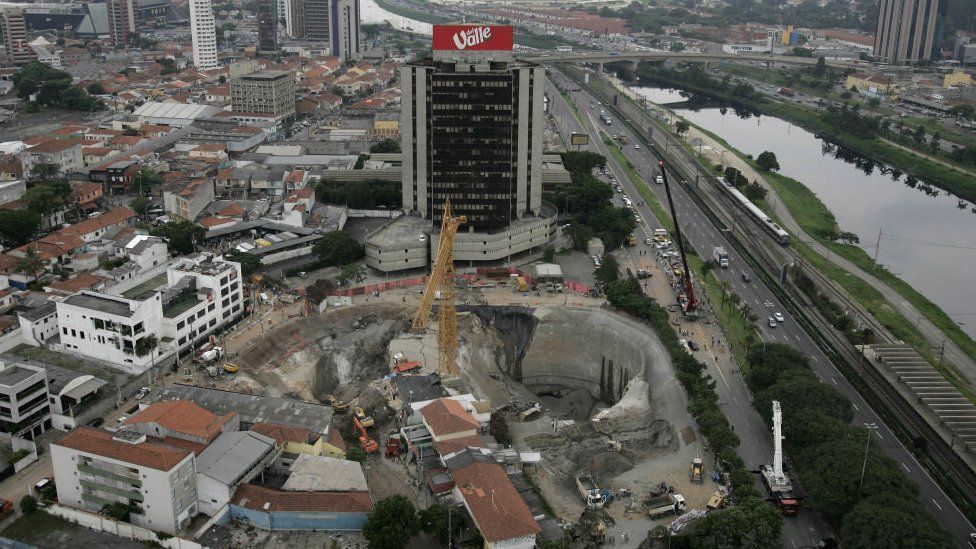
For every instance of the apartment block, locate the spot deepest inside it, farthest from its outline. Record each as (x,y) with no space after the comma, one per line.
(24,408)
(271,92)
(94,468)
(203,34)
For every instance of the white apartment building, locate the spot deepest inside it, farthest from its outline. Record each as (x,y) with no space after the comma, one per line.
(24,407)
(203,34)
(200,296)
(94,468)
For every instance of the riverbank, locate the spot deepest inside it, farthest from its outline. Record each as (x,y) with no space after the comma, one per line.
(949,178)
(814,218)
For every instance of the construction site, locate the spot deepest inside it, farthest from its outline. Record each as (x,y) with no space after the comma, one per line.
(588,394)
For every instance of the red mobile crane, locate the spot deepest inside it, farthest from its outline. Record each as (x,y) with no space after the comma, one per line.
(692,304)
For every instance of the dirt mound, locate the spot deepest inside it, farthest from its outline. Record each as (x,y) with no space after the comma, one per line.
(603,465)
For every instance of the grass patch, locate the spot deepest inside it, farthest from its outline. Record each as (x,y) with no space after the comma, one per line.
(662,216)
(36,526)
(411,13)
(572,104)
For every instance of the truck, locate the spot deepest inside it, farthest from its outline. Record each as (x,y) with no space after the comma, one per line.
(590,492)
(665,504)
(564,48)
(720,256)
(523,286)
(631,240)
(697,471)
(787,92)
(778,484)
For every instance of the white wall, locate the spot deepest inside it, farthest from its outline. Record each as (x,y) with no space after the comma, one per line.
(120,529)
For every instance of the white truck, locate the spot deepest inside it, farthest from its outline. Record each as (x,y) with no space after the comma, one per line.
(720,256)
(665,504)
(590,492)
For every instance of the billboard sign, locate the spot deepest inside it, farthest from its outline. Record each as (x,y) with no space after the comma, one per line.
(473,38)
(579,139)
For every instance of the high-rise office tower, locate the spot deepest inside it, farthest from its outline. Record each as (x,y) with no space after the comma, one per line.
(121,21)
(471,120)
(203,34)
(906,30)
(267,12)
(345,25)
(15,40)
(295,18)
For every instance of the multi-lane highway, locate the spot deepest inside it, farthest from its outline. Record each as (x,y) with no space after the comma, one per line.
(735,398)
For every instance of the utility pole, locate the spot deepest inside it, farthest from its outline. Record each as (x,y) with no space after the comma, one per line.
(877,249)
(941,353)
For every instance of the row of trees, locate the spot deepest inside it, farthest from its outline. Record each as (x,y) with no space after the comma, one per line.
(17,227)
(365,195)
(394,521)
(851,482)
(753,191)
(752,522)
(588,201)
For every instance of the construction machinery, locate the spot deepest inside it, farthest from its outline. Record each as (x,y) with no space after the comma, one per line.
(441,285)
(366,442)
(697,469)
(590,492)
(364,420)
(777,483)
(338,406)
(690,303)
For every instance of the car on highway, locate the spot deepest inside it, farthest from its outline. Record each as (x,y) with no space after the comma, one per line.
(779,317)
(746,277)
(772,322)
(636,147)
(663,245)
(638,219)
(649,241)
(659,180)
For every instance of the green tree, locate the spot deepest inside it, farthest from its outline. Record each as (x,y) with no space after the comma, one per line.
(881,522)
(386,146)
(147,345)
(28,505)
(608,271)
(18,227)
(140,205)
(583,162)
(767,161)
(32,107)
(53,87)
(181,235)
(352,274)
(436,522)
(848,237)
(146,179)
(752,523)
(96,88)
(31,263)
(681,126)
(820,69)
(44,170)
(338,248)
(48,197)
(548,254)
(250,263)
(355,453)
(754,191)
(391,524)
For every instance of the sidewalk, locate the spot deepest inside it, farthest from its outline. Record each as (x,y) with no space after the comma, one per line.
(965,365)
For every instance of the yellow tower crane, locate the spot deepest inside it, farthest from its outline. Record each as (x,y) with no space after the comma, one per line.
(442,279)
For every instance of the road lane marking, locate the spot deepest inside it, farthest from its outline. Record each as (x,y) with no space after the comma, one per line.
(815,359)
(879,435)
(797,337)
(786,339)
(834,380)
(907,470)
(855,407)
(937,504)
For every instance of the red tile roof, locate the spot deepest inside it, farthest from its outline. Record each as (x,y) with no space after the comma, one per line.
(495,505)
(335,439)
(445,447)
(101,443)
(56,145)
(445,416)
(182,416)
(232,210)
(284,433)
(82,281)
(269,500)
(107,219)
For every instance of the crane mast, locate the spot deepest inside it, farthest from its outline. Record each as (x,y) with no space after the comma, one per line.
(442,280)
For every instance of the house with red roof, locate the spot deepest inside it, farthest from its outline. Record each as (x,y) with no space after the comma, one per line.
(494,504)
(182,419)
(64,154)
(94,468)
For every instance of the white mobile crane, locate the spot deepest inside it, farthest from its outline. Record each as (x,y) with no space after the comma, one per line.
(777,483)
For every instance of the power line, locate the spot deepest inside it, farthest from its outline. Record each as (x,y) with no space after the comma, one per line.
(910,240)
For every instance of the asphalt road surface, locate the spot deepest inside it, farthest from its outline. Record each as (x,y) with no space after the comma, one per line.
(756,448)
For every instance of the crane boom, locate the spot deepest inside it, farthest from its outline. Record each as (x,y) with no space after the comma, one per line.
(689,288)
(777,440)
(442,278)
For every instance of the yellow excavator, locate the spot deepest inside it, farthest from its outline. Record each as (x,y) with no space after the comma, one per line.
(697,469)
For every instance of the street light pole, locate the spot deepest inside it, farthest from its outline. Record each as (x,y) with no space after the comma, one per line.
(871,427)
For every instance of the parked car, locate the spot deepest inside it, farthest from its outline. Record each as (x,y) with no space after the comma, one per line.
(693,346)
(96,422)
(779,317)
(746,277)
(772,322)
(142,393)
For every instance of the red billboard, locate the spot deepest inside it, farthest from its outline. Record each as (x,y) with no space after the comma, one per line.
(473,37)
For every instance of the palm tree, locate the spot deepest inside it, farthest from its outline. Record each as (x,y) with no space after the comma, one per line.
(724,286)
(31,262)
(147,345)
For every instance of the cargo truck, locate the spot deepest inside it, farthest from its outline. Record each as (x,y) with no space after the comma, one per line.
(631,240)
(590,492)
(720,256)
(666,504)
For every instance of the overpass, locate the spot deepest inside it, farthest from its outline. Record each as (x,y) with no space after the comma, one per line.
(634,57)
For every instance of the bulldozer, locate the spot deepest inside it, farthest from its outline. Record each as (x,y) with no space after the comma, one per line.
(697,469)
(365,420)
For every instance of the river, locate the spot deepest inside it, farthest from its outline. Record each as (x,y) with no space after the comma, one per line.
(371,13)
(925,234)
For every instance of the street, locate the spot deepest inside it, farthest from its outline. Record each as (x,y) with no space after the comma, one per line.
(756,446)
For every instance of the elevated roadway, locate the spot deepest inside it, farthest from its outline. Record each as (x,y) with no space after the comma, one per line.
(677,57)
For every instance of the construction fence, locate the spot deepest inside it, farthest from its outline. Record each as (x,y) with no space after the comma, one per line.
(481,273)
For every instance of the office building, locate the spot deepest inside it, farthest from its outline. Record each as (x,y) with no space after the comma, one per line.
(199,297)
(471,121)
(121,21)
(267,14)
(271,92)
(24,409)
(345,29)
(15,40)
(334,22)
(907,30)
(203,34)
(94,468)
